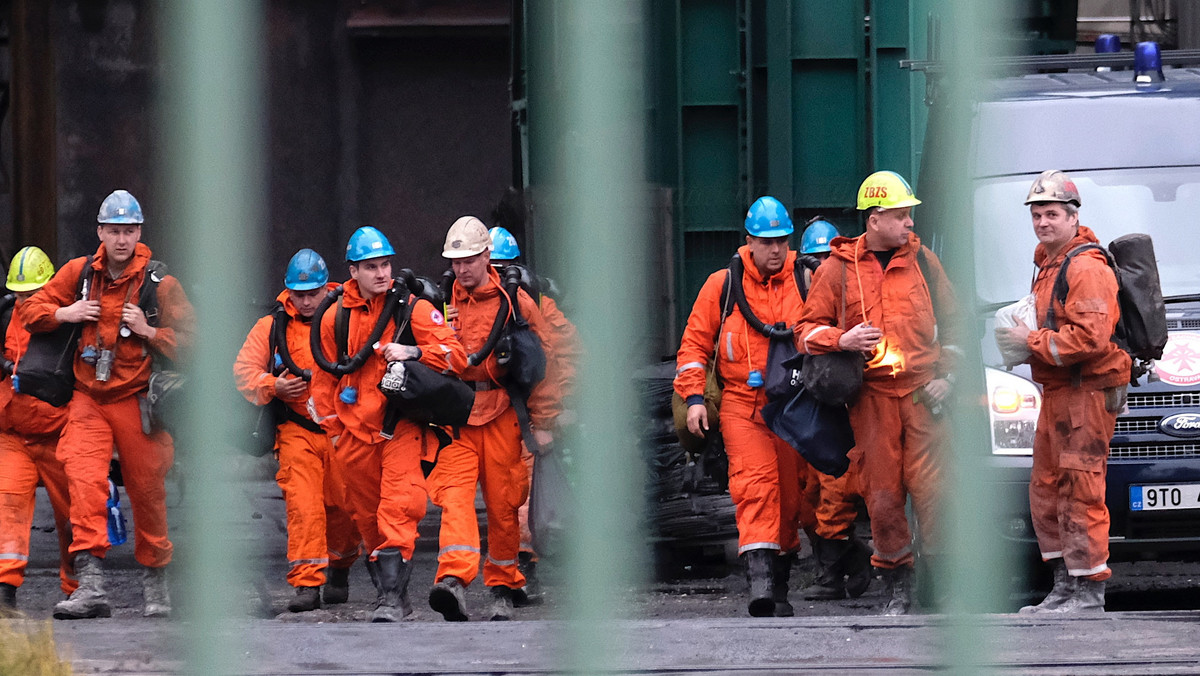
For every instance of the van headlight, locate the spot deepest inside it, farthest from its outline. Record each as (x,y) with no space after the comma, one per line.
(1013,406)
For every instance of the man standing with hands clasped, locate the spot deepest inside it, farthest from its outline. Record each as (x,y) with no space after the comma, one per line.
(1084,377)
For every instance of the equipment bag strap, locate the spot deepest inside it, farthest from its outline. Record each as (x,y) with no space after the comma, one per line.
(341,330)
(475,359)
(1062,287)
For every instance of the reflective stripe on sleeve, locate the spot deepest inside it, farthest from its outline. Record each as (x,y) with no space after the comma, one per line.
(1054,352)
(811,334)
(690,365)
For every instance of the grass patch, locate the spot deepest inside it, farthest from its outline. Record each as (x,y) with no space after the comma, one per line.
(27,649)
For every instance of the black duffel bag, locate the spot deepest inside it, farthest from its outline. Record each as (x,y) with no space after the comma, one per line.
(423,395)
(819,432)
(47,368)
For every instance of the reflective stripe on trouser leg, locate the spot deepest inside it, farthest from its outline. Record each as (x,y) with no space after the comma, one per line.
(763,480)
(18,484)
(452,486)
(301,477)
(505,481)
(899,440)
(1067,485)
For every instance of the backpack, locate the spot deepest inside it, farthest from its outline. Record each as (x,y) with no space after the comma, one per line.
(1142,328)
(47,369)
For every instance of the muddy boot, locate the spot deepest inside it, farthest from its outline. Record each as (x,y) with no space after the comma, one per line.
(857,564)
(531,593)
(782,576)
(88,600)
(759,573)
(337,586)
(155,595)
(1064,587)
(1087,598)
(393,571)
(306,599)
(829,584)
(449,598)
(8,598)
(899,590)
(502,604)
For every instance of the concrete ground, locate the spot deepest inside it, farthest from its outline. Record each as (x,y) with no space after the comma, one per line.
(690,626)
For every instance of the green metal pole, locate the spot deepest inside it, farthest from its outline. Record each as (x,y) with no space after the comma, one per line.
(212,128)
(587,83)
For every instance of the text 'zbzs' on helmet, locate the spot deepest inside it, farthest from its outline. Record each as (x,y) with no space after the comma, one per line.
(120,207)
(1053,185)
(504,245)
(885,190)
(367,242)
(817,236)
(467,237)
(767,217)
(306,271)
(30,270)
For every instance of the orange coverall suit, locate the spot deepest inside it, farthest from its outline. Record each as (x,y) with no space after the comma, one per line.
(1070,447)
(765,473)
(487,451)
(897,435)
(384,488)
(29,430)
(320,533)
(567,350)
(103,413)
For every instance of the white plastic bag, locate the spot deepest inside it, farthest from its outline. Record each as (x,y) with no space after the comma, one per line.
(1006,318)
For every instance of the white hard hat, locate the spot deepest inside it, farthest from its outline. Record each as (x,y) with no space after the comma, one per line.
(467,237)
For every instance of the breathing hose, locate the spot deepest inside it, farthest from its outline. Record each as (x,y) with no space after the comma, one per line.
(281,346)
(778,330)
(351,364)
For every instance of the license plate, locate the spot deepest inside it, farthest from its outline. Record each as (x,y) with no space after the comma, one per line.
(1164,496)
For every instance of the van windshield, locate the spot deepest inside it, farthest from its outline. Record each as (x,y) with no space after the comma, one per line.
(1161,202)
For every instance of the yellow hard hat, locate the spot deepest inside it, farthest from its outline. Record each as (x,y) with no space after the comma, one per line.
(30,270)
(467,237)
(886,190)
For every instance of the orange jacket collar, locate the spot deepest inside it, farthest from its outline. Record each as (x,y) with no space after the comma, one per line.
(286,298)
(1083,235)
(352,296)
(490,288)
(751,268)
(137,262)
(849,248)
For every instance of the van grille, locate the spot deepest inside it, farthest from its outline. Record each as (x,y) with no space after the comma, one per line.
(1127,425)
(1156,451)
(1180,400)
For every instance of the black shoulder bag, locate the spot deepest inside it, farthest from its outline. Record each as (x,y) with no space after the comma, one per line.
(47,369)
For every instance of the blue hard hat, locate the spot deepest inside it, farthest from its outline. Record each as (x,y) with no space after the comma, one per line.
(817,236)
(306,271)
(504,245)
(120,207)
(367,242)
(768,218)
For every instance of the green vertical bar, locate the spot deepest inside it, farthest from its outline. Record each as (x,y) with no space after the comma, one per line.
(212,144)
(601,213)
(780,183)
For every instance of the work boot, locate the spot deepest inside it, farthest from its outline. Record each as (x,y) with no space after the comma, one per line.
(449,598)
(783,575)
(1088,598)
(899,590)
(88,600)
(857,564)
(306,598)
(155,595)
(531,593)
(337,586)
(1064,587)
(829,585)
(759,573)
(8,597)
(393,572)
(502,604)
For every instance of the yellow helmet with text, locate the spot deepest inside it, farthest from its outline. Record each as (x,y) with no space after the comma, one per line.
(885,190)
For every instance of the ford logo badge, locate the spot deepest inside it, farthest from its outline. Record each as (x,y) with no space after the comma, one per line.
(1181,425)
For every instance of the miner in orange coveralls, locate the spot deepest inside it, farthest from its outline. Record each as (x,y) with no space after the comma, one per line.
(112,365)
(765,473)
(567,351)
(322,540)
(1084,377)
(29,430)
(487,451)
(384,486)
(890,287)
